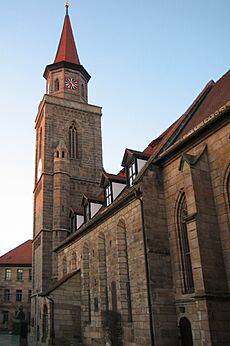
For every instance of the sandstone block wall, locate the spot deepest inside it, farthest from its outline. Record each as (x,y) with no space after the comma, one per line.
(201,173)
(109,257)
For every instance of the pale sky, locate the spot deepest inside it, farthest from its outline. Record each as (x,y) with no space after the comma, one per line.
(148,60)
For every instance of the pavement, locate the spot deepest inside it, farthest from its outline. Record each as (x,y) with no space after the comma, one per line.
(14,340)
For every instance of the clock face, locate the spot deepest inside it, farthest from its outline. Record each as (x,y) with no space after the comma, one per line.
(71,83)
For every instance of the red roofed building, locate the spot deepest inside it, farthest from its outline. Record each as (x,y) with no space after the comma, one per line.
(141,257)
(15,283)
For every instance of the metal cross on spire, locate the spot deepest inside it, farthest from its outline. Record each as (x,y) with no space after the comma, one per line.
(67,7)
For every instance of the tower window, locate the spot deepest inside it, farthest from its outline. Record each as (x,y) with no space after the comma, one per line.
(63,154)
(82,90)
(40,144)
(114,295)
(73,142)
(184,246)
(56,85)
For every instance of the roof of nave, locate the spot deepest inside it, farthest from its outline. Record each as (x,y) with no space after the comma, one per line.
(22,254)
(210,100)
(217,96)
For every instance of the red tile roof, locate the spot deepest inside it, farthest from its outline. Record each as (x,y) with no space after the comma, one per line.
(218,96)
(22,254)
(67,49)
(210,99)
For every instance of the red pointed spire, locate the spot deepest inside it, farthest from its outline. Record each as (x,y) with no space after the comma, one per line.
(67,49)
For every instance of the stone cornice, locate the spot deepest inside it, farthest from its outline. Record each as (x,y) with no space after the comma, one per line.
(61,102)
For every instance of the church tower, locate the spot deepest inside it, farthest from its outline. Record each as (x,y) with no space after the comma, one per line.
(68,160)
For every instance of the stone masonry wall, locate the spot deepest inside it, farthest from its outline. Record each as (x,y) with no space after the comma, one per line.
(105,271)
(160,271)
(201,173)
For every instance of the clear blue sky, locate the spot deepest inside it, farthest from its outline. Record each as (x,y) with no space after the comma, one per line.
(148,60)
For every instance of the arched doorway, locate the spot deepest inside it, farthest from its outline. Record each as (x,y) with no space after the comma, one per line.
(185,332)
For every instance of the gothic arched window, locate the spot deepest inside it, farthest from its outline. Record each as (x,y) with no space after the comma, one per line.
(74,260)
(114,295)
(228,189)
(40,144)
(73,142)
(64,266)
(184,246)
(82,90)
(56,85)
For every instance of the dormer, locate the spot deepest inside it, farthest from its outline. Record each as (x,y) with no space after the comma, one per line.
(113,186)
(76,219)
(91,206)
(133,161)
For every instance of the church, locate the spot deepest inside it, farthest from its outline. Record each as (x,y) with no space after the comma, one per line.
(141,257)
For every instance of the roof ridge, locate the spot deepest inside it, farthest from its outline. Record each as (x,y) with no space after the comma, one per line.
(187,115)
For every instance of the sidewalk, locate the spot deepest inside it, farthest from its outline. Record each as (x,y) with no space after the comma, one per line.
(13,340)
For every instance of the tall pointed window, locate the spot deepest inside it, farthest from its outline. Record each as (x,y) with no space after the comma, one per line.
(64,263)
(73,142)
(82,90)
(56,85)
(184,246)
(228,189)
(114,295)
(40,144)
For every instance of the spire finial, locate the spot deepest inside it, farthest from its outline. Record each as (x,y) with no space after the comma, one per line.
(67,7)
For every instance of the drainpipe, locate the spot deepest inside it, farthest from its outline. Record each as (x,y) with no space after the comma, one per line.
(147,270)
